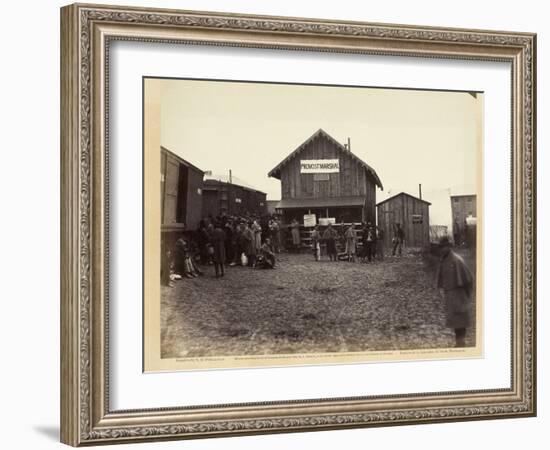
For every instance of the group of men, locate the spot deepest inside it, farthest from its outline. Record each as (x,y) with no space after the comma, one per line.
(373,242)
(221,241)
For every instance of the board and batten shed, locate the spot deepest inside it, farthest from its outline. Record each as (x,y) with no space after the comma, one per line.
(325,178)
(411,213)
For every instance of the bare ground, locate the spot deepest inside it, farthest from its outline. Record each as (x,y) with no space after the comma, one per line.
(305,306)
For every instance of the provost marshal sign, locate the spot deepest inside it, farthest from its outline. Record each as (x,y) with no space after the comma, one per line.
(319,166)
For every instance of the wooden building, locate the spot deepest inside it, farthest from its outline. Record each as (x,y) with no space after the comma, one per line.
(180,204)
(223,195)
(462,207)
(464,211)
(181,192)
(411,213)
(323,177)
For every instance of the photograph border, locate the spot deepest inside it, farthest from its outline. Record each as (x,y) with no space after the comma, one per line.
(86,34)
(177,363)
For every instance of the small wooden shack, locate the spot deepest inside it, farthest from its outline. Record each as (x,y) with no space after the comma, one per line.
(325,178)
(411,213)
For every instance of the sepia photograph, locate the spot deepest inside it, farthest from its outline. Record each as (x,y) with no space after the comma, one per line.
(295,224)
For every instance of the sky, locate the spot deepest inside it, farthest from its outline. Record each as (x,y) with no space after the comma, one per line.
(409,137)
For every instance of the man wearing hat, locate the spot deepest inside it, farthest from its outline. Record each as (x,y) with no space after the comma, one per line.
(455,282)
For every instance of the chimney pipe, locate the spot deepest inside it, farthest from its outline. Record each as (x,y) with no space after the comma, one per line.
(420,191)
(349,144)
(230,177)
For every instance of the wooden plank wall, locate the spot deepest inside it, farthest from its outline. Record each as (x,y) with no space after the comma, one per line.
(171,178)
(194,199)
(370,200)
(401,210)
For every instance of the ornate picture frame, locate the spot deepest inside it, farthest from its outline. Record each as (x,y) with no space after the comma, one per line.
(87,32)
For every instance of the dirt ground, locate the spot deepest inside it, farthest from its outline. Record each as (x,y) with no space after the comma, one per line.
(304,306)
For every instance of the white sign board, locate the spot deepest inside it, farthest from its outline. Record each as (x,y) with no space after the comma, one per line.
(326,220)
(310,220)
(319,166)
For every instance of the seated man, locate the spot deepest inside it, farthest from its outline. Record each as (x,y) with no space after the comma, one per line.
(266,257)
(184,264)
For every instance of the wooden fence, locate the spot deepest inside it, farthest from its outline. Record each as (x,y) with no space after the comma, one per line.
(305,236)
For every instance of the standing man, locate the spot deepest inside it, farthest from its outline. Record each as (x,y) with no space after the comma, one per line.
(380,247)
(203,239)
(238,245)
(257,230)
(369,241)
(248,236)
(295,231)
(329,236)
(398,238)
(218,238)
(229,230)
(351,243)
(316,243)
(275,234)
(455,283)
(280,237)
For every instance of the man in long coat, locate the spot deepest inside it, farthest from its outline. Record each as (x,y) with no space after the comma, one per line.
(218,242)
(369,242)
(257,232)
(398,239)
(248,237)
(329,236)
(295,232)
(316,243)
(455,282)
(351,243)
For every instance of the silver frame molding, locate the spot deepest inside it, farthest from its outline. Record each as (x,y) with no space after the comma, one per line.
(86,32)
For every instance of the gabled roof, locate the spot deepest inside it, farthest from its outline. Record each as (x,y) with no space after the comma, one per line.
(276,172)
(181,160)
(222,178)
(398,195)
(463,195)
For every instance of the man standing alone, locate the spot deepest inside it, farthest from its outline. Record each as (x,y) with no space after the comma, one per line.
(369,242)
(329,236)
(455,282)
(398,238)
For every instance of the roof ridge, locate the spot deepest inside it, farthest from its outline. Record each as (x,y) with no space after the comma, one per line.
(237,181)
(273,172)
(162,147)
(403,193)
